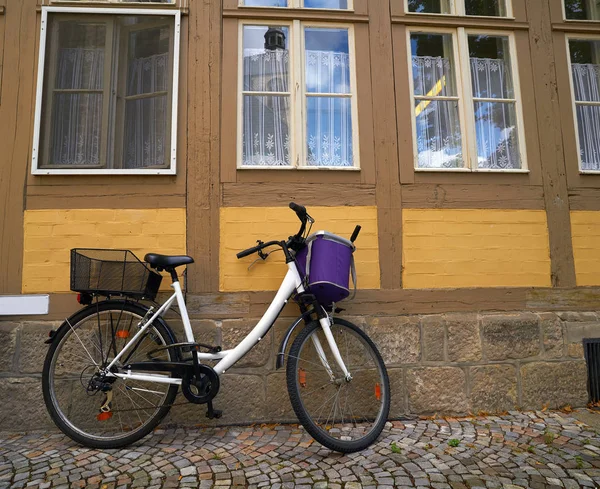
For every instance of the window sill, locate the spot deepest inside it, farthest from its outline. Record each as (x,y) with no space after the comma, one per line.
(467,170)
(295,9)
(456,16)
(303,168)
(589,172)
(98,171)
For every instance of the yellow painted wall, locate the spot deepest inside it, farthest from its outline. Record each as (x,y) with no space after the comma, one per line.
(454,248)
(585,229)
(50,235)
(242,226)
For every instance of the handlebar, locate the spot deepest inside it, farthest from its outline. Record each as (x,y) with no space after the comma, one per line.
(294,242)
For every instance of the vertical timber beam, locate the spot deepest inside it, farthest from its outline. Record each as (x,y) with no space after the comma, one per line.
(550,139)
(16,119)
(203,190)
(389,200)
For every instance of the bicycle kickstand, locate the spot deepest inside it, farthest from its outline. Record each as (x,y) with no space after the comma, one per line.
(213,413)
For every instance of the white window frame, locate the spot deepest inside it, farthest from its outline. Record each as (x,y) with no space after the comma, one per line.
(457,7)
(297,84)
(300,4)
(466,112)
(172,169)
(579,37)
(564,11)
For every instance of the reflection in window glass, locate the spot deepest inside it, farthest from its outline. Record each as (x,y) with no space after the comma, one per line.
(585,70)
(494,103)
(582,9)
(429,6)
(266,119)
(439,140)
(329,118)
(332,4)
(266,3)
(496,8)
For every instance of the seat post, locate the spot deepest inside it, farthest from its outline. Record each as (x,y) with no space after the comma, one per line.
(173,273)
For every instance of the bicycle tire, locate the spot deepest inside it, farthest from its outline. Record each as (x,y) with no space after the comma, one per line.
(372,372)
(58,378)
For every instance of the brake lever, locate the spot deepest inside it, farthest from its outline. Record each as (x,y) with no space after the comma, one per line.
(261,256)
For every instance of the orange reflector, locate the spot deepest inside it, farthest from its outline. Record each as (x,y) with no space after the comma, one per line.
(122,334)
(378,392)
(302,377)
(104,416)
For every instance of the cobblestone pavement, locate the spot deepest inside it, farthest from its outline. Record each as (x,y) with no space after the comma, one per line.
(532,449)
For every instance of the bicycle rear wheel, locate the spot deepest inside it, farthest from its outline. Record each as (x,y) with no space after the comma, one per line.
(74,392)
(343,416)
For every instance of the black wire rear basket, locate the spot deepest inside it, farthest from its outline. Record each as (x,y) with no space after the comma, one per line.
(112,272)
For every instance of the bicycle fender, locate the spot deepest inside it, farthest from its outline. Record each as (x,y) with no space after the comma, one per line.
(284,342)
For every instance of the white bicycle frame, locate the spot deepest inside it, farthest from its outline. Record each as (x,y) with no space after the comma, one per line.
(292,282)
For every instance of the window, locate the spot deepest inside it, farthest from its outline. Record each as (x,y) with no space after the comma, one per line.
(108,90)
(323,4)
(467,115)
(582,9)
(585,76)
(488,8)
(297,103)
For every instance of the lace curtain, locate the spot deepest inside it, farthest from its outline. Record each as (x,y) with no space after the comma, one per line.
(266,118)
(586,84)
(76,129)
(77,117)
(439,140)
(147,119)
(266,140)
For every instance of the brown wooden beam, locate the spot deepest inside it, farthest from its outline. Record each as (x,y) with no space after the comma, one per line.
(385,130)
(550,140)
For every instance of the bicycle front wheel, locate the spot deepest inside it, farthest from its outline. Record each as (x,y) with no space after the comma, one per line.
(345,416)
(105,412)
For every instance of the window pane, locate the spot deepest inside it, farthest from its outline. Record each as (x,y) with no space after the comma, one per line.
(76,129)
(429,6)
(327,60)
(490,67)
(148,61)
(77,50)
(497,136)
(335,4)
(433,65)
(266,137)
(80,55)
(585,66)
(486,7)
(329,131)
(582,9)
(266,3)
(265,69)
(588,122)
(439,142)
(147,125)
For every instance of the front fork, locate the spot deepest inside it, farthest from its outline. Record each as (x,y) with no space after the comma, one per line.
(326,323)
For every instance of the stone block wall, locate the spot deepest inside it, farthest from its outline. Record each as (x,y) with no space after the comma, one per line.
(446,364)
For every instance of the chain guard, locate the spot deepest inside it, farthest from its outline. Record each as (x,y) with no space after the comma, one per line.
(203,390)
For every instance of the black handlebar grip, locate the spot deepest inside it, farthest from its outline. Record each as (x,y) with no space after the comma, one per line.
(355,233)
(247,252)
(299,209)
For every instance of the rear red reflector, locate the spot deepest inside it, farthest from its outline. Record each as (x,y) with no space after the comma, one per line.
(104,416)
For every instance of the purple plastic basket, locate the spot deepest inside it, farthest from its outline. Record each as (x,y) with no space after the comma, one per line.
(326,263)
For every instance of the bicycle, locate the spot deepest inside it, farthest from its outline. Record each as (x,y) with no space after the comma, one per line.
(113,369)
